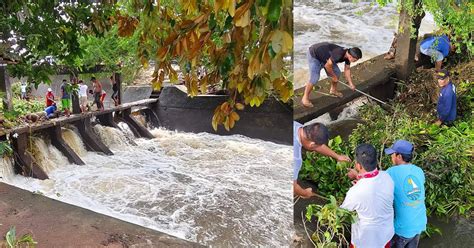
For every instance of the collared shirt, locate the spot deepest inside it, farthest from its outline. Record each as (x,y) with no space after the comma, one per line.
(372,199)
(409,201)
(297,159)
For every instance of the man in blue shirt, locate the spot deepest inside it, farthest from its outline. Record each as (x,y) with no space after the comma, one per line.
(50,112)
(437,47)
(446,107)
(313,137)
(409,196)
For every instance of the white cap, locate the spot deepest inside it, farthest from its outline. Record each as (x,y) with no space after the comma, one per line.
(49,90)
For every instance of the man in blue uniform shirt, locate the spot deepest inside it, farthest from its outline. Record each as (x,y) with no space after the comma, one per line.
(409,196)
(446,107)
(437,47)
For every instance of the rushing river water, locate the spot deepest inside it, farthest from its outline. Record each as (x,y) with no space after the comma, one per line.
(345,23)
(219,191)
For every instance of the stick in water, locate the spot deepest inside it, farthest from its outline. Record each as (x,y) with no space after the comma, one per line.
(367,95)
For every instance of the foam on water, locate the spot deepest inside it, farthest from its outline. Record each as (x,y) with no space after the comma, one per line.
(347,24)
(219,191)
(46,155)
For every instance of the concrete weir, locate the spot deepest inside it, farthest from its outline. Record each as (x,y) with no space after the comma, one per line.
(24,162)
(176,111)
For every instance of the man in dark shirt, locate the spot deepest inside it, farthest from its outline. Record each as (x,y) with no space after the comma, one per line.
(446,107)
(327,55)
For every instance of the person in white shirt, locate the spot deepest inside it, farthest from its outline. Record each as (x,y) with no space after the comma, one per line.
(23,90)
(371,197)
(83,95)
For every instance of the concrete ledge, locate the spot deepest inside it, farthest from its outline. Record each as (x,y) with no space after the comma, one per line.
(24,162)
(91,141)
(137,129)
(366,75)
(55,224)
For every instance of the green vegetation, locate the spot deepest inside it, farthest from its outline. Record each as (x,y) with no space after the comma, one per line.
(452,16)
(327,173)
(24,241)
(333,223)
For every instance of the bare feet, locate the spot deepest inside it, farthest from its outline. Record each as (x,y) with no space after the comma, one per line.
(336,93)
(389,56)
(307,103)
(353,87)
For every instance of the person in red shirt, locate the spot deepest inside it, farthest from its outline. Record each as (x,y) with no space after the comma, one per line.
(49,97)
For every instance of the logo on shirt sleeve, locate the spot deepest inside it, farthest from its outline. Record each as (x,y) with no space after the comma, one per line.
(411,187)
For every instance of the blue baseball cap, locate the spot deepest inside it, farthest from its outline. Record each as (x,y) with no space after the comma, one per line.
(400,146)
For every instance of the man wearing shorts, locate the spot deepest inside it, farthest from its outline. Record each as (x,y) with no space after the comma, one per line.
(327,55)
(97,93)
(437,47)
(83,96)
(66,97)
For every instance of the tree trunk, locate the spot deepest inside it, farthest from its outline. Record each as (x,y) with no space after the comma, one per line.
(406,45)
(5,87)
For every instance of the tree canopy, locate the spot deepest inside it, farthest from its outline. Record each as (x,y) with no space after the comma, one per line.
(242,44)
(39,35)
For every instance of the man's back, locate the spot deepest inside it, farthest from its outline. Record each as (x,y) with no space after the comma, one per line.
(446,106)
(372,199)
(324,50)
(409,201)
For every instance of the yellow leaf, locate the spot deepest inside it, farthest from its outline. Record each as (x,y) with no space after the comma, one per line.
(231,8)
(235,116)
(214,122)
(239,106)
(244,20)
(227,124)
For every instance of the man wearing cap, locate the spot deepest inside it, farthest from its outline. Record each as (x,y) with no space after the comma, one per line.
(372,198)
(327,55)
(49,97)
(313,137)
(409,196)
(446,107)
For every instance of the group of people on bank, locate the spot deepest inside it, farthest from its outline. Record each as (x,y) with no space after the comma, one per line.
(79,89)
(327,55)
(390,204)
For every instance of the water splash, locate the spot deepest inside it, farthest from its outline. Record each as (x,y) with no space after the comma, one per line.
(46,155)
(6,168)
(112,137)
(72,138)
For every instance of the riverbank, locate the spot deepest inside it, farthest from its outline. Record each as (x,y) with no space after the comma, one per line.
(55,224)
